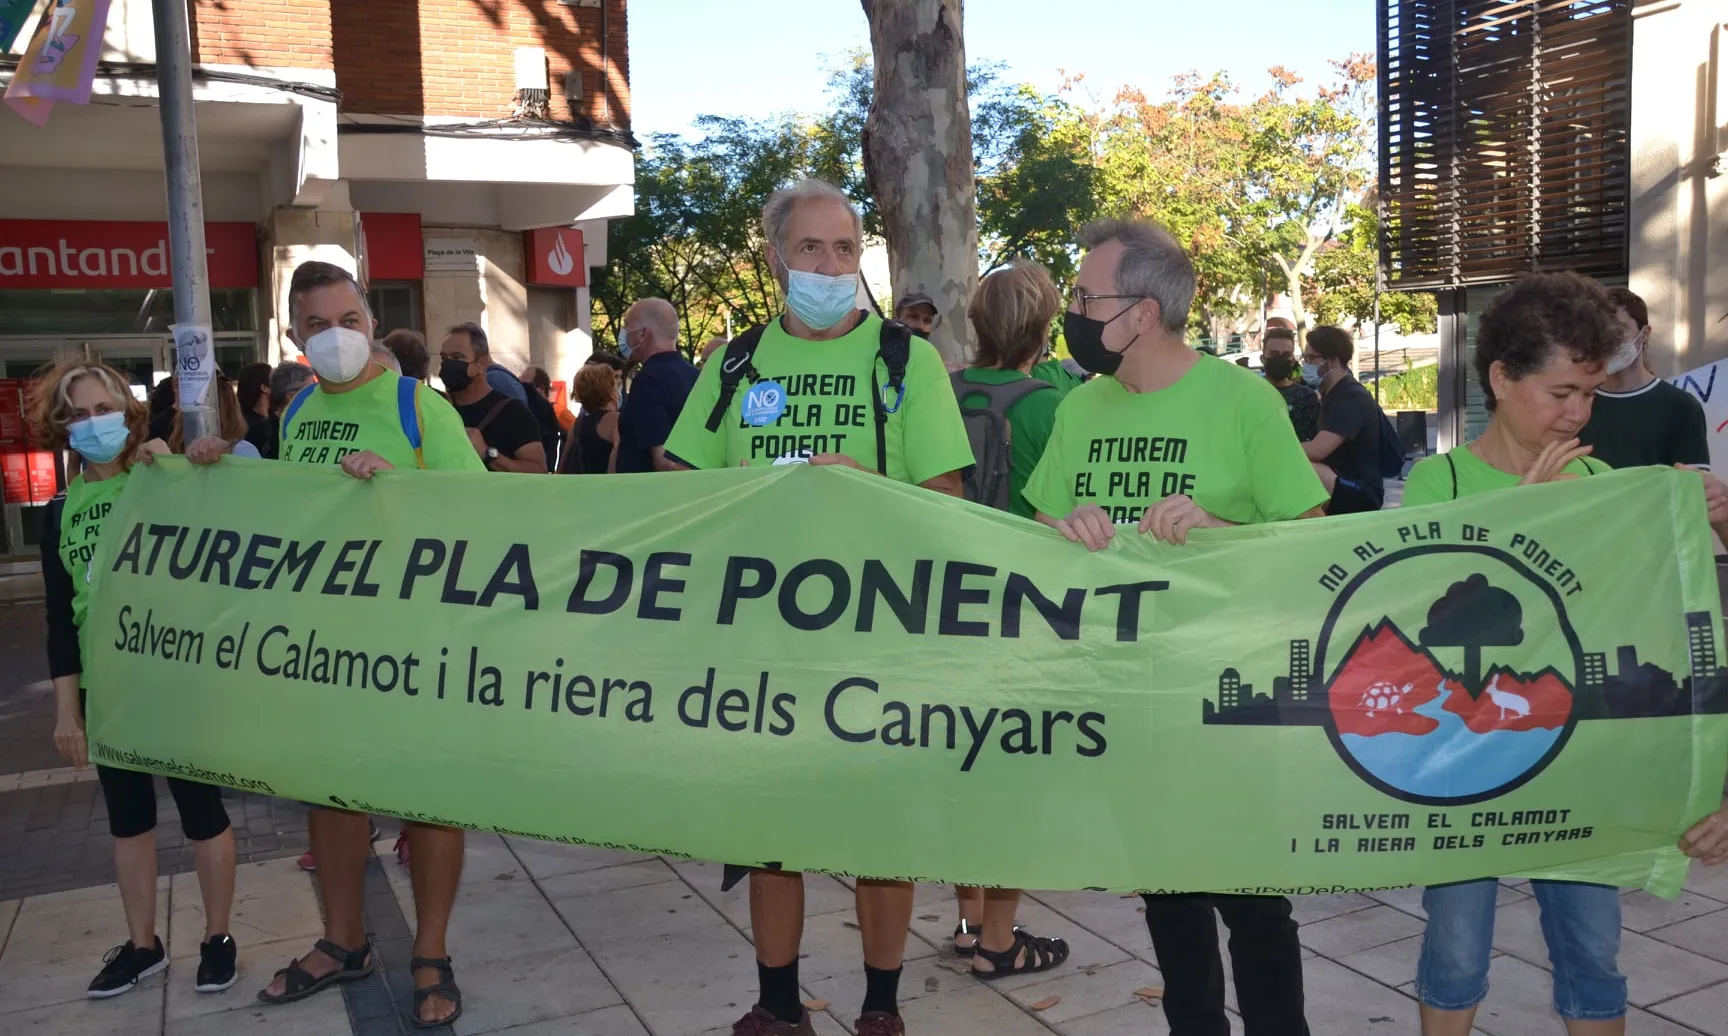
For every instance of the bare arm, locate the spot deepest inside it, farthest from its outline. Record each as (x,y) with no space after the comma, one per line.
(951,484)
(530,459)
(663,462)
(1321,446)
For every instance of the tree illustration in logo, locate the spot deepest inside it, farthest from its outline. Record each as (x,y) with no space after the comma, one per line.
(1473,615)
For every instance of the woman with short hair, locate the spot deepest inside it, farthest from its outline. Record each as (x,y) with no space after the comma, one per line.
(594,446)
(1541,350)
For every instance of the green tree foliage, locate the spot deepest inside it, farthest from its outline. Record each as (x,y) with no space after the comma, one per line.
(1343,282)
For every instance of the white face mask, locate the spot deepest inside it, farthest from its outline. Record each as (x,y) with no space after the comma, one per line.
(338,354)
(1625,356)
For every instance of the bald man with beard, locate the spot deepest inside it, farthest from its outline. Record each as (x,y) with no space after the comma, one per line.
(662,384)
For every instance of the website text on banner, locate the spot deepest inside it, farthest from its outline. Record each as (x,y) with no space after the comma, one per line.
(790,656)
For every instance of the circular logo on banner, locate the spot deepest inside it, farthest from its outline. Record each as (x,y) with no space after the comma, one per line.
(764,402)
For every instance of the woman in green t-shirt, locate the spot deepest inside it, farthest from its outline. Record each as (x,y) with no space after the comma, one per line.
(88,407)
(1541,347)
(1011,313)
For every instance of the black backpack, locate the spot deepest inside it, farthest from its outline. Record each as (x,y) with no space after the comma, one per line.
(989,480)
(1391,448)
(894,350)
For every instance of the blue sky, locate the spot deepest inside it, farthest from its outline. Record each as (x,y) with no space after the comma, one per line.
(756,57)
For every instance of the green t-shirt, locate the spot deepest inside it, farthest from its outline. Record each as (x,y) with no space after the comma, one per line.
(1051,372)
(1029,422)
(87,503)
(328,427)
(827,389)
(1458,473)
(1220,435)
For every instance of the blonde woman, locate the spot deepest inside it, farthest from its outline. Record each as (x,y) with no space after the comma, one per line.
(87,407)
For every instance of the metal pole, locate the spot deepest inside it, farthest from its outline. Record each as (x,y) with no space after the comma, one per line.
(194,352)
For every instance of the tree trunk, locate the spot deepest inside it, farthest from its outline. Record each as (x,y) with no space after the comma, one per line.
(918,158)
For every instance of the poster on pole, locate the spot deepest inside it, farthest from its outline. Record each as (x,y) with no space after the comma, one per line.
(194,363)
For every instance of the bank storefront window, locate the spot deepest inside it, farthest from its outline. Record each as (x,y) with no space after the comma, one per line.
(108,311)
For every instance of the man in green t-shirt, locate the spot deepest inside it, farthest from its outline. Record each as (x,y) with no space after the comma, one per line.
(1169,440)
(810,395)
(365,418)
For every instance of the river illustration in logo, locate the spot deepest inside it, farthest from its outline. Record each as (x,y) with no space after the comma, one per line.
(1462,698)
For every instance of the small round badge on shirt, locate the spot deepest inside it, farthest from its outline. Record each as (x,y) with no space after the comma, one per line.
(764,402)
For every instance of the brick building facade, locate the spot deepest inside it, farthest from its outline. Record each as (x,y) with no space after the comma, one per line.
(457,154)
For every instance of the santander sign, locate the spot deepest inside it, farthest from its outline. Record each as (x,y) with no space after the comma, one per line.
(39,253)
(554,257)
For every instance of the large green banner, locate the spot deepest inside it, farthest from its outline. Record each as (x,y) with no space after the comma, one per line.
(817,668)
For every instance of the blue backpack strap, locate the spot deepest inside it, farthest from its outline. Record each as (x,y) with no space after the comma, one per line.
(294,406)
(408,412)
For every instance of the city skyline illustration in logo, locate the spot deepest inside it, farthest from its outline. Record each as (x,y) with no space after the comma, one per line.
(1466,697)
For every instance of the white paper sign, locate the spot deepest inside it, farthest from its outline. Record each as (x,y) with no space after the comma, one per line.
(1710,385)
(194,363)
(452,255)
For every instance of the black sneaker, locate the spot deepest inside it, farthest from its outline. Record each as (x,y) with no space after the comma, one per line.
(216,970)
(123,967)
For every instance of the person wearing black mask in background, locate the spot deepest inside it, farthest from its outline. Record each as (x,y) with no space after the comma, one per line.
(1278,360)
(503,432)
(917,311)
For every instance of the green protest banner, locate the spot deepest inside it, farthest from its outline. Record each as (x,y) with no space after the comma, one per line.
(821,669)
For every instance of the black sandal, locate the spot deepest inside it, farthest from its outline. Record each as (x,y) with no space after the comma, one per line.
(351,965)
(966,929)
(444,987)
(1040,955)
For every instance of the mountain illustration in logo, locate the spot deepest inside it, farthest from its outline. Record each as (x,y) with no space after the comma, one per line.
(559,259)
(1484,695)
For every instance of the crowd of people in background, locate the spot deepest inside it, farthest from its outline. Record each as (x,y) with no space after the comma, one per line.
(1012,428)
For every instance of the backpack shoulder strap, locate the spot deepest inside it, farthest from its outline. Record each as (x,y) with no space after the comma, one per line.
(894,349)
(736,364)
(295,404)
(408,413)
(1453,465)
(1001,397)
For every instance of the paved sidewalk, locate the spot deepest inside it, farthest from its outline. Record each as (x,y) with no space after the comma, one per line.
(557,939)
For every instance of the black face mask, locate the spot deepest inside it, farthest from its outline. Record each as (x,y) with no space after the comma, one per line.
(1279,367)
(1085,338)
(455,375)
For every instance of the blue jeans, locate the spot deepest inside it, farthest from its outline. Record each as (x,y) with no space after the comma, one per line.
(1580,924)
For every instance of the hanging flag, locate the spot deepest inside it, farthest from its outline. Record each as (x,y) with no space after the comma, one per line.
(60,63)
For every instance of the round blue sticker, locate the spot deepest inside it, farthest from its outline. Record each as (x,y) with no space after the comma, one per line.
(764,402)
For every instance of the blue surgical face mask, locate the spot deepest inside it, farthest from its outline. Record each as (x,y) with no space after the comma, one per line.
(101,438)
(819,300)
(1310,372)
(624,345)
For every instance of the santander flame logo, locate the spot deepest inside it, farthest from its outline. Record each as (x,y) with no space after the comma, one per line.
(559,260)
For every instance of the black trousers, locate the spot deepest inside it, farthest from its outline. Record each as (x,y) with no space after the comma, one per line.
(1265,959)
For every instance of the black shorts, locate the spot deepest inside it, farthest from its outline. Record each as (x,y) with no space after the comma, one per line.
(1350,498)
(130,796)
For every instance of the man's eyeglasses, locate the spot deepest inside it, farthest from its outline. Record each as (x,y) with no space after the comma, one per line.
(1080,299)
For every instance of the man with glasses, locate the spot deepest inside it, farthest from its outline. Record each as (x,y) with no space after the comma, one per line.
(1166,440)
(1346,452)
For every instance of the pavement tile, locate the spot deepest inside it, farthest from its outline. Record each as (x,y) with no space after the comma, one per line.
(844,988)
(8,911)
(500,930)
(1310,909)
(1085,993)
(969,1009)
(1392,964)
(1343,1003)
(1359,930)
(265,919)
(55,951)
(608,1021)
(1707,935)
(822,894)
(1641,912)
(1086,950)
(1116,919)
(1656,971)
(1137,1019)
(552,859)
(1705,1010)
(1709,881)
(643,912)
(1518,931)
(323,1015)
(684,984)
(139,1011)
(1640,1022)
(498,994)
(605,879)
(832,945)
